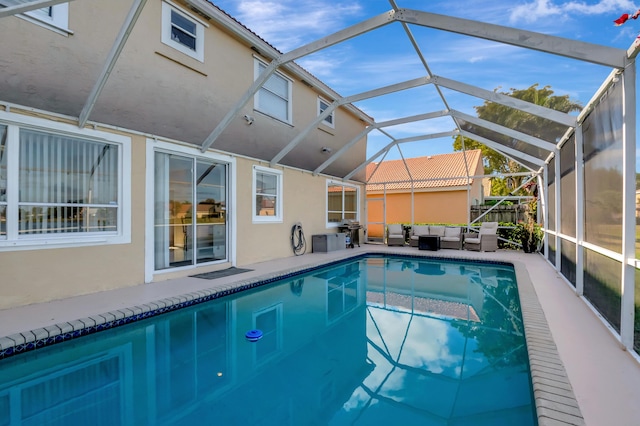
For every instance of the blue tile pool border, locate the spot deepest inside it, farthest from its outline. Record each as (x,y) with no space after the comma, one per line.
(553,395)
(26,341)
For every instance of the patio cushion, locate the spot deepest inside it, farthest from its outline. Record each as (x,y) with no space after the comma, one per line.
(450,231)
(394,229)
(436,230)
(489,228)
(420,230)
(449,238)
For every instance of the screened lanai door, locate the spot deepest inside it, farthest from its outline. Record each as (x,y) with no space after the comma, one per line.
(190,211)
(375,228)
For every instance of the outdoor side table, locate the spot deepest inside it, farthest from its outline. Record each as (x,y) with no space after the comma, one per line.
(429,242)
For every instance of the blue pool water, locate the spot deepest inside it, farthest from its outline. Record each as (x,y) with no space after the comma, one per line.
(376,340)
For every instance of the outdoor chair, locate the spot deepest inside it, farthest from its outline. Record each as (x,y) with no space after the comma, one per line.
(416,232)
(452,238)
(395,235)
(484,240)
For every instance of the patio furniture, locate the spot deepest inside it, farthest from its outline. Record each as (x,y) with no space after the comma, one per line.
(395,235)
(324,243)
(351,229)
(484,240)
(429,242)
(452,238)
(417,231)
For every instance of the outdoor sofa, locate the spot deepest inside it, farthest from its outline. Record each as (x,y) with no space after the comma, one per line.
(451,237)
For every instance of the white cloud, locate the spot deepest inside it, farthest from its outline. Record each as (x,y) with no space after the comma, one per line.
(469,50)
(349,71)
(288,24)
(543,9)
(321,66)
(475,59)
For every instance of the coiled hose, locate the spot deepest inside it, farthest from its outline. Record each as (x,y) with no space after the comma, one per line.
(298,242)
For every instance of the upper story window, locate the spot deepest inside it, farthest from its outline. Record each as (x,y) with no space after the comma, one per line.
(330,119)
(62,188)
(182,32)
(274,97)
(53,17)
(267,195)
(342,202)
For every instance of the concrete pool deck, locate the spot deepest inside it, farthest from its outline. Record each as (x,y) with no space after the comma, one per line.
(567,341)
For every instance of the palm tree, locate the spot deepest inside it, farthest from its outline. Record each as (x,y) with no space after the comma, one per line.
(524,122)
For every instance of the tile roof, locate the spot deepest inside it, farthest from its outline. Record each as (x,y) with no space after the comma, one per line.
(434,171)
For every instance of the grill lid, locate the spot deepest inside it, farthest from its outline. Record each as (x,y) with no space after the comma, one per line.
(350,224)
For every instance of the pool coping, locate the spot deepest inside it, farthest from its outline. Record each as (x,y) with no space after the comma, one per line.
(553,394)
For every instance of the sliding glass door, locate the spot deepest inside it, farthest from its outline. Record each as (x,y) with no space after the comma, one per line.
(190,211)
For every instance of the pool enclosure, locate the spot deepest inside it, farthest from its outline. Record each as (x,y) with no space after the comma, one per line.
(584,164)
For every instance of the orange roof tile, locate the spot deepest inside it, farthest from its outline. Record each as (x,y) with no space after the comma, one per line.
(434,171)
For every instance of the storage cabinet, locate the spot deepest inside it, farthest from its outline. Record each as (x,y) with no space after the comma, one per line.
(323,243)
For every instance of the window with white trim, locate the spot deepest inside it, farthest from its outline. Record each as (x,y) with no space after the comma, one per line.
(342,202)
(269,321)
(56,16)
(100,381)
(342,293)
(182,32)
(274,97)
(267,194)
(60,187)
(330,119)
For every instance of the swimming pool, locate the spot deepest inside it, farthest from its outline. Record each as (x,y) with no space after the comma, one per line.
(371,340)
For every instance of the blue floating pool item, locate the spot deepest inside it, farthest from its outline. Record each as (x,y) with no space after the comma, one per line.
(253,335)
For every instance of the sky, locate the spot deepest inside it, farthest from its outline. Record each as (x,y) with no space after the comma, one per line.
(385,56)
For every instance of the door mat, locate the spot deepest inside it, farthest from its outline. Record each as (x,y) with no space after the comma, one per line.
(219,274)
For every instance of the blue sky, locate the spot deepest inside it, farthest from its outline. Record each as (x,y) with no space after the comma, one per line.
(385,56)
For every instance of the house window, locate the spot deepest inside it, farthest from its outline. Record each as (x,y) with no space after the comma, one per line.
(60,188)
(274,97)
(328,120)
(342,203)
(342,293)
(192,357)
(99,382)
(267,195)
(56,16)
(190,215)
(182,32)
(269,321)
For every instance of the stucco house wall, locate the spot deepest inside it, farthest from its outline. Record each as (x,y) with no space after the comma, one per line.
(156,96)
(445,204)
(429,207)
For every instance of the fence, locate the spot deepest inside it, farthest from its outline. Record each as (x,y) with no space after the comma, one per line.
(510,213)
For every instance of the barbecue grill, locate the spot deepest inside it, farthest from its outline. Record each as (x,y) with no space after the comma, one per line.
(352,229)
